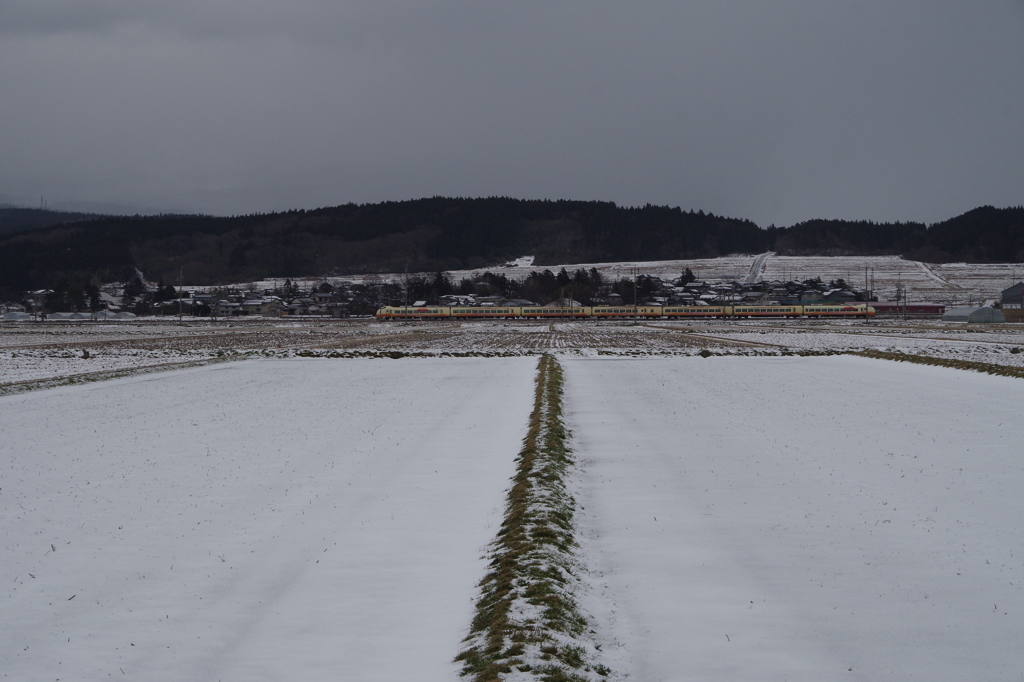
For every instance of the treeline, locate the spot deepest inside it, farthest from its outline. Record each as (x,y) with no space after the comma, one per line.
(439,234)
(580,285)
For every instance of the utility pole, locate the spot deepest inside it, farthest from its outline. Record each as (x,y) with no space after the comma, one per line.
(905,304)
(899,290)
(180,323)
(636,313)
(867,297)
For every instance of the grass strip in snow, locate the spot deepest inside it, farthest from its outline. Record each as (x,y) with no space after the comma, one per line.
(527,624)
(91,377)
(970,365)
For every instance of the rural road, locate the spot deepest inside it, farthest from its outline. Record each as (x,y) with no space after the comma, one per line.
(757,267)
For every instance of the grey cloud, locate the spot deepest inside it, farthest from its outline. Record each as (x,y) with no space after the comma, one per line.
(777,111)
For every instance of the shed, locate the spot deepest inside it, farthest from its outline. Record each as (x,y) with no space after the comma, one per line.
(1013,296)
(968,314)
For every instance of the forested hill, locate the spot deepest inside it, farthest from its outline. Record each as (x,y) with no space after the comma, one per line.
(423,235)
(14,219)
(444,234)
(984,235)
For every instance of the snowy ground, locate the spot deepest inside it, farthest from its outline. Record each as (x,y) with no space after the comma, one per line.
(262,520)
(744,518)
(827,518)
(994,345)
(726,268)
(41,351)
(34,352)
(950,283)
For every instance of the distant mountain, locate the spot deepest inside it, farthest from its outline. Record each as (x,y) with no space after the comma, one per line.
(426,235)
(14,219)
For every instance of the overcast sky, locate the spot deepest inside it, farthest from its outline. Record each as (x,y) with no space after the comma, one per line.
(773,110)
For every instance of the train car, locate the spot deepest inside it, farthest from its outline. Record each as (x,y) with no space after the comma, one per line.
(838,310)
(694,311)
(766,311)
(411,313)
(606,312)
(486,312)
(541,312)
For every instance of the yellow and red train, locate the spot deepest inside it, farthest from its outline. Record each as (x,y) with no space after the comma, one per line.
(815,310)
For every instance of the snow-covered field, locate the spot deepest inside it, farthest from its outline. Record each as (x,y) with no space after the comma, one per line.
(741,518)
(951,283)
(827,518)
(32,364)
(726,268)
(30,353)
(981,277)
(263,520)
(994,346)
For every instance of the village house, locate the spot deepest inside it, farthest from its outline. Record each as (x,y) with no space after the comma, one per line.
(268,307)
